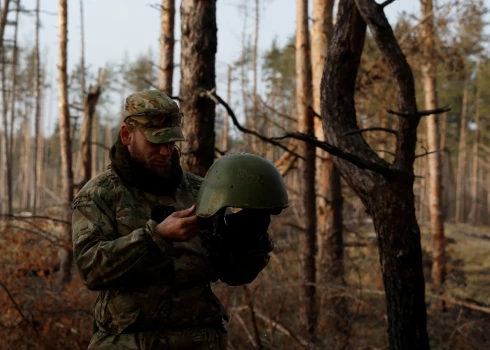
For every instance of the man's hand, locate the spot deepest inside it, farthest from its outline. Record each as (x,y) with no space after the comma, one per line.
(180,226)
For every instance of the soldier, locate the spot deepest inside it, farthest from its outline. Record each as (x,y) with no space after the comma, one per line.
(137,241)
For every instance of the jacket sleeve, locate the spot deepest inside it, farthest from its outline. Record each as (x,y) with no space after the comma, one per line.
(103,259)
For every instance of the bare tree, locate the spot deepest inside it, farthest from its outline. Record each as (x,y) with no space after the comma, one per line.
(198,56)
(6,185)
(429,71)
(461,172)
(166,69)
(475,210)
(307,240)
(13,93)
(227,117)
(254,82)
(38,153)
(387,193)
(86,130)
(330,264)
(65,137)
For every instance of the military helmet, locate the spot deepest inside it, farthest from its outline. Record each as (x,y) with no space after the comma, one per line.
(155,115)
(241,180)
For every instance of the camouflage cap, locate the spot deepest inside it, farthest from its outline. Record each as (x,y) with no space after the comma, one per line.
(156,115)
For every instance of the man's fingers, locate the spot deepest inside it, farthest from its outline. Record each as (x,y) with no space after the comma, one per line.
(184,213)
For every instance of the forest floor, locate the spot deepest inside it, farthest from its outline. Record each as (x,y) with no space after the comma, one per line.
(52,319)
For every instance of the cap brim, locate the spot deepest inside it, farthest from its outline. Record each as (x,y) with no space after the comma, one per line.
(163,135)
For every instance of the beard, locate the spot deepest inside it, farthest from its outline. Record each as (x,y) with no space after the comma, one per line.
(160,171)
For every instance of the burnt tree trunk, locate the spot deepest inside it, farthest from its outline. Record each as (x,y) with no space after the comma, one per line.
(330,261)
(304,101)
(197,65)
(86,131)
(166,69)
(429,71)
(388,194)
(65,138)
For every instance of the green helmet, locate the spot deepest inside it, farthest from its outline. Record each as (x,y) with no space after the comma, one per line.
(241,180)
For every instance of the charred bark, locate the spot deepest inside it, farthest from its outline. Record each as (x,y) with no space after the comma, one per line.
(65,138)
(86,131)
(388,199)
(199,44)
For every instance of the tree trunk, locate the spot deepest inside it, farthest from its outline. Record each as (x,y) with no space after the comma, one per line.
(86,131)
(6,185)
(461,172)
(199,44)
(255,117)
(65,139)
(13,96)
(304,101)
(108,142)
(475,197)
(330,264)
(388,193)
(166,69)
(224,145)
(24,165)
(38,152)
(429,71)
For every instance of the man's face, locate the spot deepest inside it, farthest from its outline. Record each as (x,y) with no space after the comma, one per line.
(157,158)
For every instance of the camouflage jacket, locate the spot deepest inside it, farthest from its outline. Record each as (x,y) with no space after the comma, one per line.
(146,282)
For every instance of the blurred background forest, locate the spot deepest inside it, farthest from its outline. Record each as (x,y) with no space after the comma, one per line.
(54,119)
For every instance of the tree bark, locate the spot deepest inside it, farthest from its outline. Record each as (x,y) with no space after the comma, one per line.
(38,152)
(304,101)
(429,71)
(476,203)
(86,131)
(6,185)
(65,138)
(224,145)
(330,264)
(388,198)
(199,44)
(255,117)
(13,96)
(166,69)
(461,172)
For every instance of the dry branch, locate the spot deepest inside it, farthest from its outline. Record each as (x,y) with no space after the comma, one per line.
(352,158)
(420,114)
(218,100)
(391,131)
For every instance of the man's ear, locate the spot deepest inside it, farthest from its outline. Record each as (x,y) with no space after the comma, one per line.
(126,134)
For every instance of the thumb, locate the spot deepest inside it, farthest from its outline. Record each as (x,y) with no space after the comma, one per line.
(185,213)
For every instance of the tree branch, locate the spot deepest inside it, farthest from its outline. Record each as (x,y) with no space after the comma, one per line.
(351,158)
(24,318)
(426,153)
(218,100)
(420,114)
(391,131)
(386,3)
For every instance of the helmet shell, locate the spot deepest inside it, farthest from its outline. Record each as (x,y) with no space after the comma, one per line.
(241,180)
